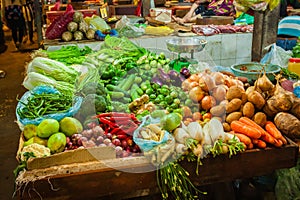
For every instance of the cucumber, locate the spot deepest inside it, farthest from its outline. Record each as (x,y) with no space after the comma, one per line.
(128,83)
(125,100)
(135,87)
(116,95)
(134,95)
(115,88)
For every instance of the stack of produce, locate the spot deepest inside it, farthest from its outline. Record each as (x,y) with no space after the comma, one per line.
(135,102)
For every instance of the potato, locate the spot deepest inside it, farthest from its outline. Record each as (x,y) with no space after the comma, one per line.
(248,110)
(296,108)
(244,98)
(233,105)
(218,110)
(288,124)
(257,99)
(234,92)
(226,127)
(260,118)
(269,108)
(233,116)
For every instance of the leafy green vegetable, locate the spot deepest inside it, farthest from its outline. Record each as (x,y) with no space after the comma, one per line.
(289,75)
(70,54)
(53,69)
(34,79)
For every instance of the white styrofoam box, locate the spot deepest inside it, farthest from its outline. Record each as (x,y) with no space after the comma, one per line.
(214,46)
(160,14)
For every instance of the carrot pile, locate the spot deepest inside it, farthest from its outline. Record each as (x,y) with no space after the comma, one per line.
(253,135)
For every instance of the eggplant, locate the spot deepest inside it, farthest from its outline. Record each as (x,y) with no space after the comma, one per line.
(185,72)
(163,75)
(157,80)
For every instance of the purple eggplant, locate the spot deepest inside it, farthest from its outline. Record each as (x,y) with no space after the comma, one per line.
(157,80)
(163,75)
(185,72)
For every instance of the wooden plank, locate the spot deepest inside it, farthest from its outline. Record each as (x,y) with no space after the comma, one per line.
(136,176)
(264,31)
(72,156)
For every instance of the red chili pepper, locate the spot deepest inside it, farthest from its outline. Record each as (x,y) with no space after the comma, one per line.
(119,119)
(108,122)
(116,130)
(122,137)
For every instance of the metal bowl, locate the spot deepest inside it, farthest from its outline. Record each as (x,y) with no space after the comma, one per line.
(185,45)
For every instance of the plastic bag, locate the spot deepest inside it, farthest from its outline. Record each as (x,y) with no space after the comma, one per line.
(58,116)
(288,183)
(127,29)
(97,23)
(276,56)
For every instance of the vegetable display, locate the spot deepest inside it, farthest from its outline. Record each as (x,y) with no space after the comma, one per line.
(135,102)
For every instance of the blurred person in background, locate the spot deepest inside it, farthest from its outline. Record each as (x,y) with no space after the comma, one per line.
(207,8)
(3,46)
(284,6)
(288,32)
(12,16)
(29,18)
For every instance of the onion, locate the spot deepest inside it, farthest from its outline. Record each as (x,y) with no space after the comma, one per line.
(206,83)
(186,85)
(207,102)
(287,85)
(185,72)
(194,77)
(218,78)
(196,94)
(180,148)
(219,93)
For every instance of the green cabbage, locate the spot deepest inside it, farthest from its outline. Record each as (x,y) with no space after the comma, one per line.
(34,79)
(53,69)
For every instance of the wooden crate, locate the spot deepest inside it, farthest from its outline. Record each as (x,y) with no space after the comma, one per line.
(135,177)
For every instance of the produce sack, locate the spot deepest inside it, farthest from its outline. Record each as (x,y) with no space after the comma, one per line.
(97,23)
(127,29)
(276,56)
(60,23)
(158,152)
(147,145)
(287,186)
(58,116)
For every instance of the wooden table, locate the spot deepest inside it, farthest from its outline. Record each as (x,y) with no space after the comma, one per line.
(136,177)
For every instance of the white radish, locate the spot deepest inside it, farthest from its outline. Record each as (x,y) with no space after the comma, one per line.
(180,148)
(181,135)
(216,129)
(195,131)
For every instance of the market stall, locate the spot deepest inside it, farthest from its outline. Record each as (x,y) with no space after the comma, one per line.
(110,117)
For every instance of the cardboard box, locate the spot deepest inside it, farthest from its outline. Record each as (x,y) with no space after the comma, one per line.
(216,20)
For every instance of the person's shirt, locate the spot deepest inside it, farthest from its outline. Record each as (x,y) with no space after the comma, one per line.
(289,26)
(216,7)
(7,3)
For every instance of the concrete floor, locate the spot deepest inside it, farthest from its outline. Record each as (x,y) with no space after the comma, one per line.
(12,62)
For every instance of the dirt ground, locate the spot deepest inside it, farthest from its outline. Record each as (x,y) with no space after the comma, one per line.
(12,62)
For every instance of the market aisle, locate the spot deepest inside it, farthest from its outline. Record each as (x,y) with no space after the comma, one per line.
(12,62)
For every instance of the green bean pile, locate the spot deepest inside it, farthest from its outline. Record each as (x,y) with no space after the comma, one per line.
(38,105)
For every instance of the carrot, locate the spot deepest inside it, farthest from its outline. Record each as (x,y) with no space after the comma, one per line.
(272,129)
(268,138)
(250,146)
(254,141)
(278,143)
(241,127)
(284,141)
(242,137)
(252,123)
(261,144)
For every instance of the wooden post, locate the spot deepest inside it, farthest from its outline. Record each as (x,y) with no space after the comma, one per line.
(38,19)
(265,31)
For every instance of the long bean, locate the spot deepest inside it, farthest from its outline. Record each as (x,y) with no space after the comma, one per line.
(38,105)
